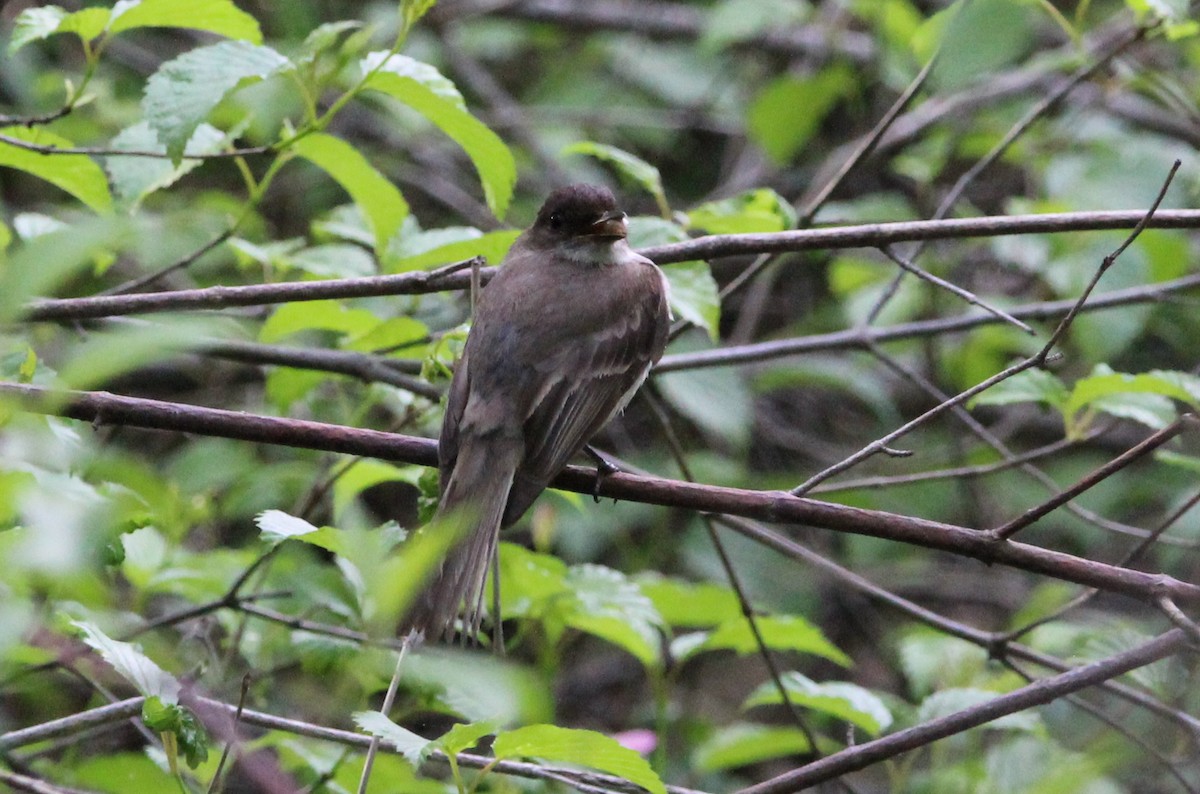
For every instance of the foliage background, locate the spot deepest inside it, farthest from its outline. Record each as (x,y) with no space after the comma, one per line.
(267,575)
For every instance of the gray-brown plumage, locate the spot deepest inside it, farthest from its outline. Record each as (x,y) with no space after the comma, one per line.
(563,336)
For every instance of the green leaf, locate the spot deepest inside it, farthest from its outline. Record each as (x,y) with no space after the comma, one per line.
(134,666)
(134,178)
(324,36)
(779,632)
(392,334)
(690,604)
(733,21)
(480,688)
(276,526)
(761,210)
(412,746)
(185,90)
(717,399)
(34,24)
(629,166)
(1103,387)
(529,580)
(464,736)
(215,16)
(1032,385)
(744,744)
(952,701)
(604,603)
(366,473)
(112,351)
(77,174)
(695,296)
(324,315)
(790,110)
(423,250)
(189,735)
(87,23)
(572,746)
(976,39)
(426,91)
(335,260)
(839,699)
(47,259)
(378,198)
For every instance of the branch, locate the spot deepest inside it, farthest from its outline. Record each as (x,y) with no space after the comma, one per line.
(863,236)
(661,20)
(858,338)
(1036,694)
(771,506)
(99,151)
(222,297)
(132,707)
(876,235)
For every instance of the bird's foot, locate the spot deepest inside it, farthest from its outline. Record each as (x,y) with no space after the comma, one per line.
(604,467)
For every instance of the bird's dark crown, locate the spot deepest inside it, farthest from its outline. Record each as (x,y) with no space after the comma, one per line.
(575,209)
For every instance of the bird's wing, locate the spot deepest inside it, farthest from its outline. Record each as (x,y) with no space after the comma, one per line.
(586,381)
(456,403)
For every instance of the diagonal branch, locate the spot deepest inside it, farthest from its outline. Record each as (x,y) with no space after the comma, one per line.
(771,506)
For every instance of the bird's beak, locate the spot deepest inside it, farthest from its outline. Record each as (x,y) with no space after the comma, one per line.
(611,224)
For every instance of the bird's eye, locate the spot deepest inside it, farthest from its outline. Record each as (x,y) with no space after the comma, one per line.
(556,220)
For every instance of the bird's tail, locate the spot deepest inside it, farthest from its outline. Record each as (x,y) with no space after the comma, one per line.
(477,492)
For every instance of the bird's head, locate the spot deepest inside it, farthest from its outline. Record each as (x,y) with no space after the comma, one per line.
(581,222)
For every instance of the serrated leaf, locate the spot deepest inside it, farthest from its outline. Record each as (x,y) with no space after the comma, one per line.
(77,174)
(761,210)
(779,632)
(133,665)
(605,604)
(378,198)
(627,165)
(34,24)
(695,296)
(573,746)
(412,746)
(184,90)
(743,744)
(839,699)
(426,91)
(133,178)
(215,16)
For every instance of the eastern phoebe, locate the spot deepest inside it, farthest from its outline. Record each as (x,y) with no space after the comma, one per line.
(562,338)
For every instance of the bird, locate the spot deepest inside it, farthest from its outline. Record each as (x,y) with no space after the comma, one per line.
(562,338)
